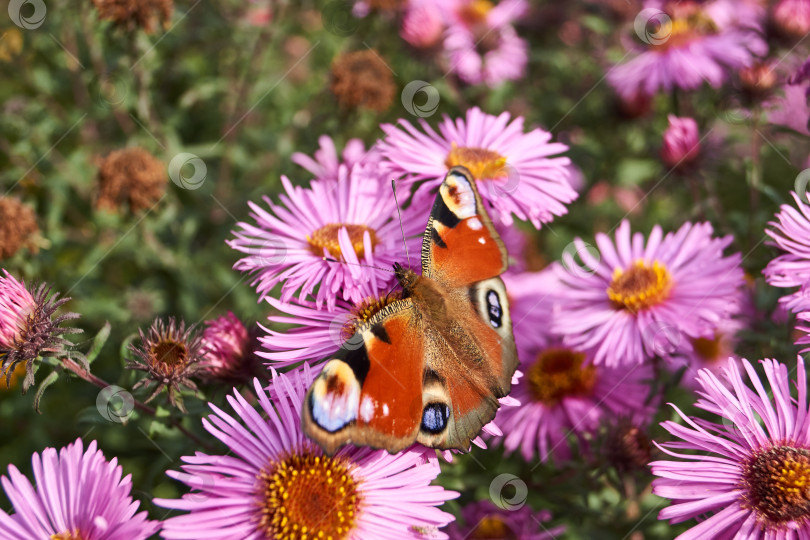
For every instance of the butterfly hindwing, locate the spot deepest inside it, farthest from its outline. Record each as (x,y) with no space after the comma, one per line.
(461,245)
(371,393)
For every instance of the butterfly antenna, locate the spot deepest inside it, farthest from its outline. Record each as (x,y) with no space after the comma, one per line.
(401,228)
(333,260)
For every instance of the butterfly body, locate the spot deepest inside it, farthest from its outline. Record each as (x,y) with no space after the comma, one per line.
(428,367)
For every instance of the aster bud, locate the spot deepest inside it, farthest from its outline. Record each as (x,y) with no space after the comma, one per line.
(169,353)
(422,26)
(792,17)
(227,351)
(758,79)
(627,447)
(681,143)
(28,327)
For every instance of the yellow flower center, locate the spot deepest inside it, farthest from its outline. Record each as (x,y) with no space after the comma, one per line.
(308,496)
(558,373)
(365,310)
(492,527)
(640,286)
(475,12)
(482,163)
(776,485)
(327,238)
(685,22)
(68,535)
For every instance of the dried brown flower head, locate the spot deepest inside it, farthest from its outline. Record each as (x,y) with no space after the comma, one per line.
(170,355)
(18,226)
(132,176)
(362,79)
(132,14)
(627,447)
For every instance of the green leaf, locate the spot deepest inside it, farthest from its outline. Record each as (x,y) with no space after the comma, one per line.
(98,342)
(46,382)
(125,346)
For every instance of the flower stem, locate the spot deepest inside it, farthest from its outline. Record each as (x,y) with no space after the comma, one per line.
(72,366)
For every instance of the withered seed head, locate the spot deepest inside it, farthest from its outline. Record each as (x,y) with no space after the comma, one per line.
(130,176)
(362,79)
(132,14)
(18,226)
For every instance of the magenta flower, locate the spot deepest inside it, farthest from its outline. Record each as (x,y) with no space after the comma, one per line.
(685,44)
(747,475)
(518,173)
(422,24)
(483,519)
(314,242)
(791,233)
(29,326)
(792,108)
(481,44)
(228,351)
(76,495)
(681,142)
(792,17)
(274,482)
(630,302)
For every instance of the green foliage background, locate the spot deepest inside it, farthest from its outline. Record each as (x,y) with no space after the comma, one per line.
(243,98)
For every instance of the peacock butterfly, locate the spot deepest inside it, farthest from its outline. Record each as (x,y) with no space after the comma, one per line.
(430,366)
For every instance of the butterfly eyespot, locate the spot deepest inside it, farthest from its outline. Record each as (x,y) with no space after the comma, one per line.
(494,309)
(435,417)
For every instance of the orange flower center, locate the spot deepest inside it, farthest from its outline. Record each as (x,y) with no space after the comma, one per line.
(776,484)
(475,12)
(327,238)
(482,163)
(170,353)
(708,349)
(308,496)
(68,535)
(558,373)
(365,310)
(640,286)
(493,527)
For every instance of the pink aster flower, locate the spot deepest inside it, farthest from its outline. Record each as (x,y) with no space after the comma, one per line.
(711,353)
(746,476)
(684,44)
(791,233)
(325,164)
(518,173)
(792,108)
(792,17)
(77,494)
(483,519)
(481,44)
(315,241)
(681,142)
(631,301)
(274,481)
